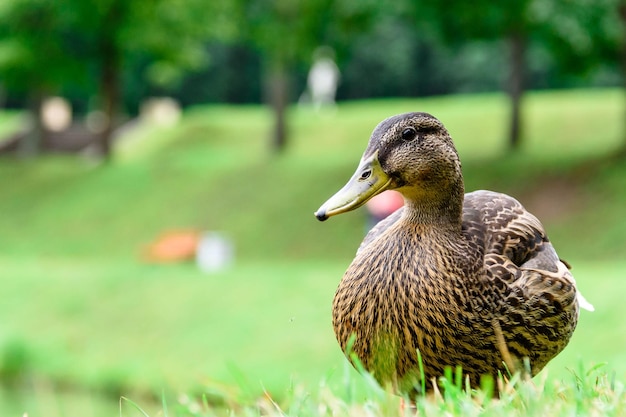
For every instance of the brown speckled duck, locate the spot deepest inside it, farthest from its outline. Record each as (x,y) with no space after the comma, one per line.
(465,279)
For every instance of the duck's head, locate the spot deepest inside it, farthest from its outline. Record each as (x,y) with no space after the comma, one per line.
(412,153)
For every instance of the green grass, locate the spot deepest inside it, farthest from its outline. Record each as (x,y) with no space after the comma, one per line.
(588,392)
(10,122)
(215,169)
(82,312)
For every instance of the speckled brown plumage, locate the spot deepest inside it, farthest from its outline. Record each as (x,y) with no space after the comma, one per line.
(465,279)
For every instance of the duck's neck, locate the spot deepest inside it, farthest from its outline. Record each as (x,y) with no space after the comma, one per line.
(441,210)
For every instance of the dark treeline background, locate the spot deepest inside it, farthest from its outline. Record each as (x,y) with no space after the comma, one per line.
(416,68)
(109,55)
(384,63)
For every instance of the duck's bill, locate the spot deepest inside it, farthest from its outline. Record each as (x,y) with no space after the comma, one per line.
(368,180)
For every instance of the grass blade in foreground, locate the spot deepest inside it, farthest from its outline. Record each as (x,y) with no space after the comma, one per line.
(587,393)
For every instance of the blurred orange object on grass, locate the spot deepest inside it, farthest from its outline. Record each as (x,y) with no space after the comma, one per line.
(173,246)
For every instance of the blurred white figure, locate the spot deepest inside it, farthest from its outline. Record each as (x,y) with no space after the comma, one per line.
(56,114)
(323,78)
(163,111)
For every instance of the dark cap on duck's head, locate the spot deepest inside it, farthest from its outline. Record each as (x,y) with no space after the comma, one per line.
(404,130)
(394,127)
(410,152)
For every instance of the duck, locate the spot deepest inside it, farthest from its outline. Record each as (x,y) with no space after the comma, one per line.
(457,280)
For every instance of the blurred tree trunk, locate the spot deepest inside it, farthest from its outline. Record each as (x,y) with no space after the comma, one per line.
(110,55)
(515,87)
(277,86)
(110,96)
(622,13)
(34,140)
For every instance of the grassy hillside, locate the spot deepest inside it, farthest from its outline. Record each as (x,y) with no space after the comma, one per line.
(81,308)
(214,171)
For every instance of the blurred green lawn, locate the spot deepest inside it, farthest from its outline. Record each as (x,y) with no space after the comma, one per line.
(79,306)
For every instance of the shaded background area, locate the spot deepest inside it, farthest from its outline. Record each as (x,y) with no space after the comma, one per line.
(533,94)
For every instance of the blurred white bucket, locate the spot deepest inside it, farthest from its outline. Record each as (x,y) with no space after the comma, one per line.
(215,252)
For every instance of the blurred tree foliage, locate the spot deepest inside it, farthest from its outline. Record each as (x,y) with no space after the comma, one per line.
(575,35)
(260,50)
(33,55)
(286,32)
(48,46)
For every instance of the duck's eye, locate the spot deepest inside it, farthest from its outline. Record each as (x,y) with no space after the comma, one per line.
(409,134)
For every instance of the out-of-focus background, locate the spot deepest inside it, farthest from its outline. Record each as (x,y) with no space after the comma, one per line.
(160,162)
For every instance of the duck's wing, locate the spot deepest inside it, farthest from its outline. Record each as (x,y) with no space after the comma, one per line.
(515,239)
(380,227)
(533,294)
(511,234)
